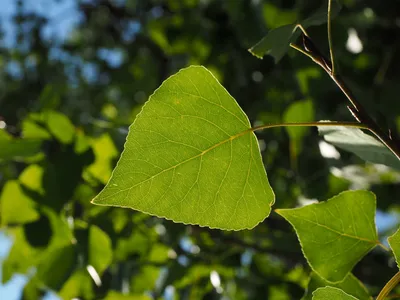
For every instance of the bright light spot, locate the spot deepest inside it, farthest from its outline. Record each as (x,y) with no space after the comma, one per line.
(195,249)
(262,145)
(172,254)
(369,13)
(303,201)
(328,151)
(93,273)
(160,229)
(353,43)
(3,125)
(169,292)
(336,172)
(216,281)
(257,76)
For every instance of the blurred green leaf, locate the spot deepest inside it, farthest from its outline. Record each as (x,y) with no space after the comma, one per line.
(100,249)
(112,295)
(299,111)
(17,148)
(335,234)
(16,206)
(105,152)
(277,41)
(394,242)
(350,285)
(78,285)
(192,130)
(60,126)
(363,145)
(331,293)
(56,266)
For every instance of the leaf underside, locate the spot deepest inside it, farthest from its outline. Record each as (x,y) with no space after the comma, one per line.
(191,157)
(331,293)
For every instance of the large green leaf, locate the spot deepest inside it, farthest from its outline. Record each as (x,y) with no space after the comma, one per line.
(351,285)
(277,41)
(331,293)
(363,145)
(191,157)
(394,242)
(335,234)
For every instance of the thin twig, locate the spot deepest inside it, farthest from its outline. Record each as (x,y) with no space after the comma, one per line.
(330,36)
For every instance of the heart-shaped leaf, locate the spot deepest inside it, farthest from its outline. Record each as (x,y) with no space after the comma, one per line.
(331,293)
(335,234)
(363,145)
(191,157)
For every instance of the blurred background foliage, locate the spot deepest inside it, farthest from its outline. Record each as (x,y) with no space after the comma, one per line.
(69,93)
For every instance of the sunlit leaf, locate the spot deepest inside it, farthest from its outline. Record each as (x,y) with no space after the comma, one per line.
(363,145)
(351,285)
(112,295)
(394,242)
(60,126)
(100,249)
(331,293)
(15,206)
(191,157)
(78,285)
(337,233)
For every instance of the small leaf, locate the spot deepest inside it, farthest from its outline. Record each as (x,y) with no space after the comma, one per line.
(100,249)
(275,43)
(394,242)
(331,293)
(16,207)
(351,285)
(335,234)
(363,145)
(190,157)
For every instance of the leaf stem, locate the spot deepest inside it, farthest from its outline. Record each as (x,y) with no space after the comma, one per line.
(389,286)
(311,124)
(330,35)
(356,109)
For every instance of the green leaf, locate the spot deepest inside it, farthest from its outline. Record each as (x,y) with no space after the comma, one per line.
(335,234)
(17,148)
(363,145)
(277,41)
(394,242)
(190,157)
(78,285)
(299,111)
(112,295)
(55,267)
(60,126)
(331,293)
(351,285)
(16,207)
(100,249)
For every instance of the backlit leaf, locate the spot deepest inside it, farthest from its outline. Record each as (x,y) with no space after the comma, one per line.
(337,233)
(331,293)
(191,157)
(350,285)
